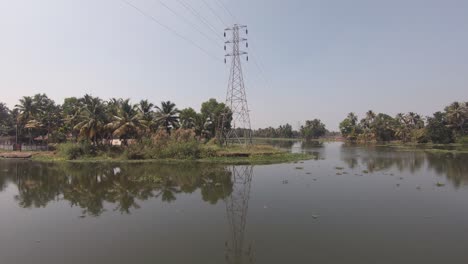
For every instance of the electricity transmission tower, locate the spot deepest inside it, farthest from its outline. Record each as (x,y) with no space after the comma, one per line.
(236,98)
(237,203)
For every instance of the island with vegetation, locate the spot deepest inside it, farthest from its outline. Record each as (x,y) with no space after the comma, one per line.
(92,129)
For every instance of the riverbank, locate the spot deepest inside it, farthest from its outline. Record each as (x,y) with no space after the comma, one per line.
(236,154)
(426,147)
(429,147)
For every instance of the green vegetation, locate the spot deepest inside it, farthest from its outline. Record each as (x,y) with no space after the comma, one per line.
(312,130)
(444,127)
(181,145)
(97,122)
(88,129)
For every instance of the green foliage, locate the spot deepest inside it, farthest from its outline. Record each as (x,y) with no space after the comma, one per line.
(72,151)
(313,129)
(213,112)
(7,123)
(442,127)
(438,130)
(135,152)
(419,136)
(463,140)
(167,116)
(349,127)
(283,131)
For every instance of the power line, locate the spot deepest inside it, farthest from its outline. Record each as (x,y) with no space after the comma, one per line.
(200,17)
(214,13)
(152,18)
(188,22)
(223,6)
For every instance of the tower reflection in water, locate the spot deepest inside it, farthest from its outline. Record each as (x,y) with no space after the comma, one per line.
(238,251)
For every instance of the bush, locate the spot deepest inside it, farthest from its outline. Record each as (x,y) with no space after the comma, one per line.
(419,136)
(463,140)
(181,150)
(72,151)
(135,152)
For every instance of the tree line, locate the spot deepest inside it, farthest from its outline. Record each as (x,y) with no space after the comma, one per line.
(312,129)
(442,127)
(95,120)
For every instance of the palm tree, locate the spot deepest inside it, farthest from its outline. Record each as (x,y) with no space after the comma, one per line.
(92,118)
(146,110)
(414,120)
(27,111)
(128,122)
(370,116)
(167,116)
(457,114)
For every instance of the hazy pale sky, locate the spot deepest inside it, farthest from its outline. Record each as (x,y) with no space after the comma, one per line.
(320,59)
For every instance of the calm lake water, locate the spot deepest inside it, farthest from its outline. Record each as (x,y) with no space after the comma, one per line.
(351,204)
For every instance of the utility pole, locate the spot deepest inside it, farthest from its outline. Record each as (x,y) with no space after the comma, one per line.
(236,98)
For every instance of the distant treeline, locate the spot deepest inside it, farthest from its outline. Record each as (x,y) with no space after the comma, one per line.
(447,126)
(312,129)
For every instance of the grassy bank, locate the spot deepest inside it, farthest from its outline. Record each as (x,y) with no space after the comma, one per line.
(173,153)
(430,147)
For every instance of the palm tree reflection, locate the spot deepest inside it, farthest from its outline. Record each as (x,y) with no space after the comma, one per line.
(91,186)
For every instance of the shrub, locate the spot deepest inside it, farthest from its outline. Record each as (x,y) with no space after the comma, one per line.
(181,150)
(463,140)
(183,135)
(73,151)
(135,152)
(70,151)
(419,136)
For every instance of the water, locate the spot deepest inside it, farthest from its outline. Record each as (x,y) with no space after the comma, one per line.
(351,204)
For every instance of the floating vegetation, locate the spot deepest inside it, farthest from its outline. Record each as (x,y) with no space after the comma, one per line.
(339,173)
(440,184)
(365,171)
(339,168)
(299,168)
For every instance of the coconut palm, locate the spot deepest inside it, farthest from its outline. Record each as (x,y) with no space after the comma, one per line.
(27,109)
(128,122)
(167,116)
(147,114)
(352,118)
(92,118)
(457,115)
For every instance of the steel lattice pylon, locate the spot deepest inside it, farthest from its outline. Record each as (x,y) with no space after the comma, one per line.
(237,203)
(236,98)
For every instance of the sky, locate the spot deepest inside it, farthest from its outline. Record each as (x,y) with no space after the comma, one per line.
(308,59)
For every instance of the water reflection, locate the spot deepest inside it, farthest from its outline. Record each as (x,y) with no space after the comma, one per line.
(376,158)
(237,203)
(89,186)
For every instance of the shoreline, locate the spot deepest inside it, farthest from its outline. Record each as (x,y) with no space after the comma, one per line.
(255,159)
